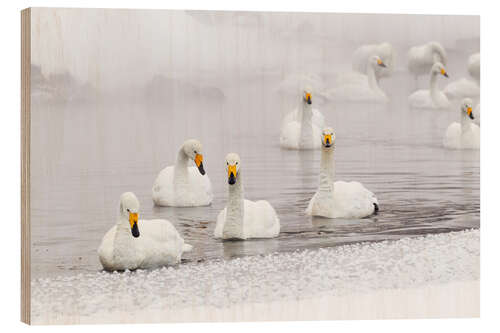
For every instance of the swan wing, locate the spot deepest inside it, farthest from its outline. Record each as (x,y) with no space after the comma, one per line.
(353,200)
(462,88)
(290,135)
(261,220)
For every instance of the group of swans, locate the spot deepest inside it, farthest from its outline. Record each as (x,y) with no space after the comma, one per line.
(133,243)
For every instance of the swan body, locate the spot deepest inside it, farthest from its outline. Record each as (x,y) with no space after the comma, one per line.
(466,134)
(421,58)
(296,115)
(361,56)
(432,98)
(461,89)
(133,243)
(299,130)
(182,185)
(474,66)
(338,199)
(357,87)
(244,219)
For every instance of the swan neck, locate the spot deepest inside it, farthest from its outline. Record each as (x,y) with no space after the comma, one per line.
(233,226)
(465,121)
(433,86)
(372,80)
(306,128)
(327,170)
(123,243)
(181,167)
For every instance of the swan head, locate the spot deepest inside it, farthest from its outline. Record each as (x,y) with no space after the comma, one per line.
(328,138)
(129,209)
(233,167)
(438,68)
(307,95)
(467,107)
(193,149)
(375,60)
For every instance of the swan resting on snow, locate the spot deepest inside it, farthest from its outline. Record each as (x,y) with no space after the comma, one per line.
(134,243)
(363,53)
(356,87)
(466,134)
(338,199)
(432,98)
(421,58)
(181,185)
(300,130)
(243,219)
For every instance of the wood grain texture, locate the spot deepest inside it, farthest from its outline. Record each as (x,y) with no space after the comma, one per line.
(25,165)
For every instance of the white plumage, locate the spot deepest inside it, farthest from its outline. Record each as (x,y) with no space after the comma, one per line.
(182,185)
(421,58)
(357,87)
(338,199)
(474,66)
(362,55)
(133,243)
(433,98)
(300,128)
(466,134)
(243,219)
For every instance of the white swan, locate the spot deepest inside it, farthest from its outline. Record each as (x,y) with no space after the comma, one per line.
(243,219)
(421,58)
(464,87)
(296,115)
(432,98)
(301,133)
(474,66)
(363,53)
(466,134)
(338,199)
(133,243)
(356,87)
(181,185)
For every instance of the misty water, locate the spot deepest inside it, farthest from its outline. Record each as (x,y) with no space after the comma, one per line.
(85,155)
(108,118)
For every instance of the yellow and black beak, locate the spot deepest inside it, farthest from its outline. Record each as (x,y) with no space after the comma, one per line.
(327,140)
(381,63)
(307,98)
(469,113)
(198,159)
(231,174)
(443,72)
(133,218)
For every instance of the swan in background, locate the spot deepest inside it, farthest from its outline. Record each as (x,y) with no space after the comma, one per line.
(356,87)
(474,67)
(299,131)
(463,135)
(296,115)
(134,243)
(361,56)
(433,98)
(243,219)
(338,199)
(181,185)
(464,87)
(421,58)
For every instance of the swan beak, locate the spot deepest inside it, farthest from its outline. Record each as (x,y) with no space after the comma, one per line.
(380,63)
(231,174)
(133,218)
(199,163)
(308,98)
(443,72)
(469,113)
(327,140)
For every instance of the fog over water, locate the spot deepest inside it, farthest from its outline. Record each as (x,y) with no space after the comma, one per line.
(116,92)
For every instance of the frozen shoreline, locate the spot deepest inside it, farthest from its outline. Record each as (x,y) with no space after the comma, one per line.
(430,276)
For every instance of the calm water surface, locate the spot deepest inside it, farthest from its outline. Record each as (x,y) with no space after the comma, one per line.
(86,155)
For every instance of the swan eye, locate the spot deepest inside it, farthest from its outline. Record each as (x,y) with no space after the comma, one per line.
(227,163)
(195,152)
(236,163)
(128,210)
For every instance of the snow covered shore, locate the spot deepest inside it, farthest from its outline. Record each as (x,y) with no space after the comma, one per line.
(429,276)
